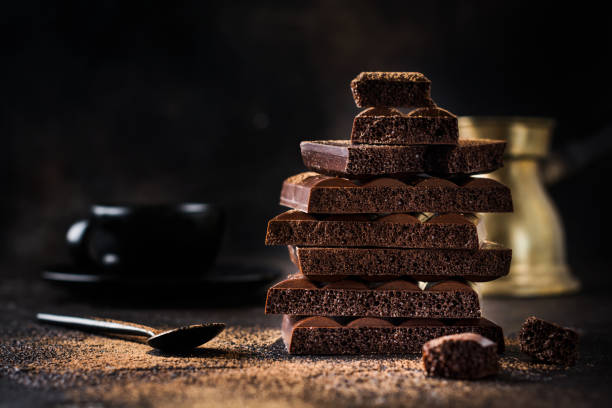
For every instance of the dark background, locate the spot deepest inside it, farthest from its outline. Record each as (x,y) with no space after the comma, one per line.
(172,101)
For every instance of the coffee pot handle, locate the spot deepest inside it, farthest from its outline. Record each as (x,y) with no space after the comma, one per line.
(576,155)
(77,238)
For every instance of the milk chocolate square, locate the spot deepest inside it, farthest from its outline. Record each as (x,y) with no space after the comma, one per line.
(316,193)
(367,161)
(350,297)
(430,125)
(333,336)
(359,230)
(490,261)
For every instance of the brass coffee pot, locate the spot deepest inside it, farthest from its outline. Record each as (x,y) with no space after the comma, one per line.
(534,230)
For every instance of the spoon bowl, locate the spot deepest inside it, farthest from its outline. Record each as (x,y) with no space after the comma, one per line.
(185,338)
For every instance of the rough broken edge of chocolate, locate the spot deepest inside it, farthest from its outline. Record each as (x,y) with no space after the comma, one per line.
(393,89)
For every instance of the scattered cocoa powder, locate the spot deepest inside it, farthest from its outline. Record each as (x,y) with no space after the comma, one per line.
(245,366)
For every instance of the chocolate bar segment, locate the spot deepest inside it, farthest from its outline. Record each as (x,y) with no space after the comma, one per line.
(365,161)
(315,193)
(398,89)
(548,342)
(396,230)
(332,336)
(468,356)
(390,126)
(489,262)
(349,297)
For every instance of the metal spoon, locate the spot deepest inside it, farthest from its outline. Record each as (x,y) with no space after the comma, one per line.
(175,340)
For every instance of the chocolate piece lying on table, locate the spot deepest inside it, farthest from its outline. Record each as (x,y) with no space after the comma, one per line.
(384,125)
(465,356)
(490,261)
(341,158)
(348,297)
(323,335)
(396,230)
(315,193)
(398,89)
(548,342)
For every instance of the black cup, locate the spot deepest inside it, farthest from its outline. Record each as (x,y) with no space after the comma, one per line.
(177,239)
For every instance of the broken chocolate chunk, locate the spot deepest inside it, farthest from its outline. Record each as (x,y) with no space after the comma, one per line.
(548,342)
(463,356)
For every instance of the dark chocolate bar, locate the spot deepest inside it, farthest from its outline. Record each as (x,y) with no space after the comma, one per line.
(350,297)
(342,158)
(390,126)
(548,342)
(467,356)
(315,193)
(489,262)
(395,231)
(398,89)
(324,335)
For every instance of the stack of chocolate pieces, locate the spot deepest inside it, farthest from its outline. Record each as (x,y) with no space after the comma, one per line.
(383,230)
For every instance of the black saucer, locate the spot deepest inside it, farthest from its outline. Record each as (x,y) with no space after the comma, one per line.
(226,285)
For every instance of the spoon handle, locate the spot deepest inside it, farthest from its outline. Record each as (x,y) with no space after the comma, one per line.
(94,325)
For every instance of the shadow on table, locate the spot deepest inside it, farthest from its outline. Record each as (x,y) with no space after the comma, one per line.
(202,352)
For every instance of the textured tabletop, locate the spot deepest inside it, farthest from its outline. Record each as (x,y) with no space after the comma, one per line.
(247,364)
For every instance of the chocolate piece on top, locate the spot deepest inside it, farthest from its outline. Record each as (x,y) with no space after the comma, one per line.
(467,356)
(397,89)
(376,336)
(315,193)
(548,342)
(397,230)
(366,161)
(353,298)
(391,127)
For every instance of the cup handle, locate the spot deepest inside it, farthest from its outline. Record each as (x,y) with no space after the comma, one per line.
(77,238)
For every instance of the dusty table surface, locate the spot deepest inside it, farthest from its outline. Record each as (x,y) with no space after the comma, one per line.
(247,364)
